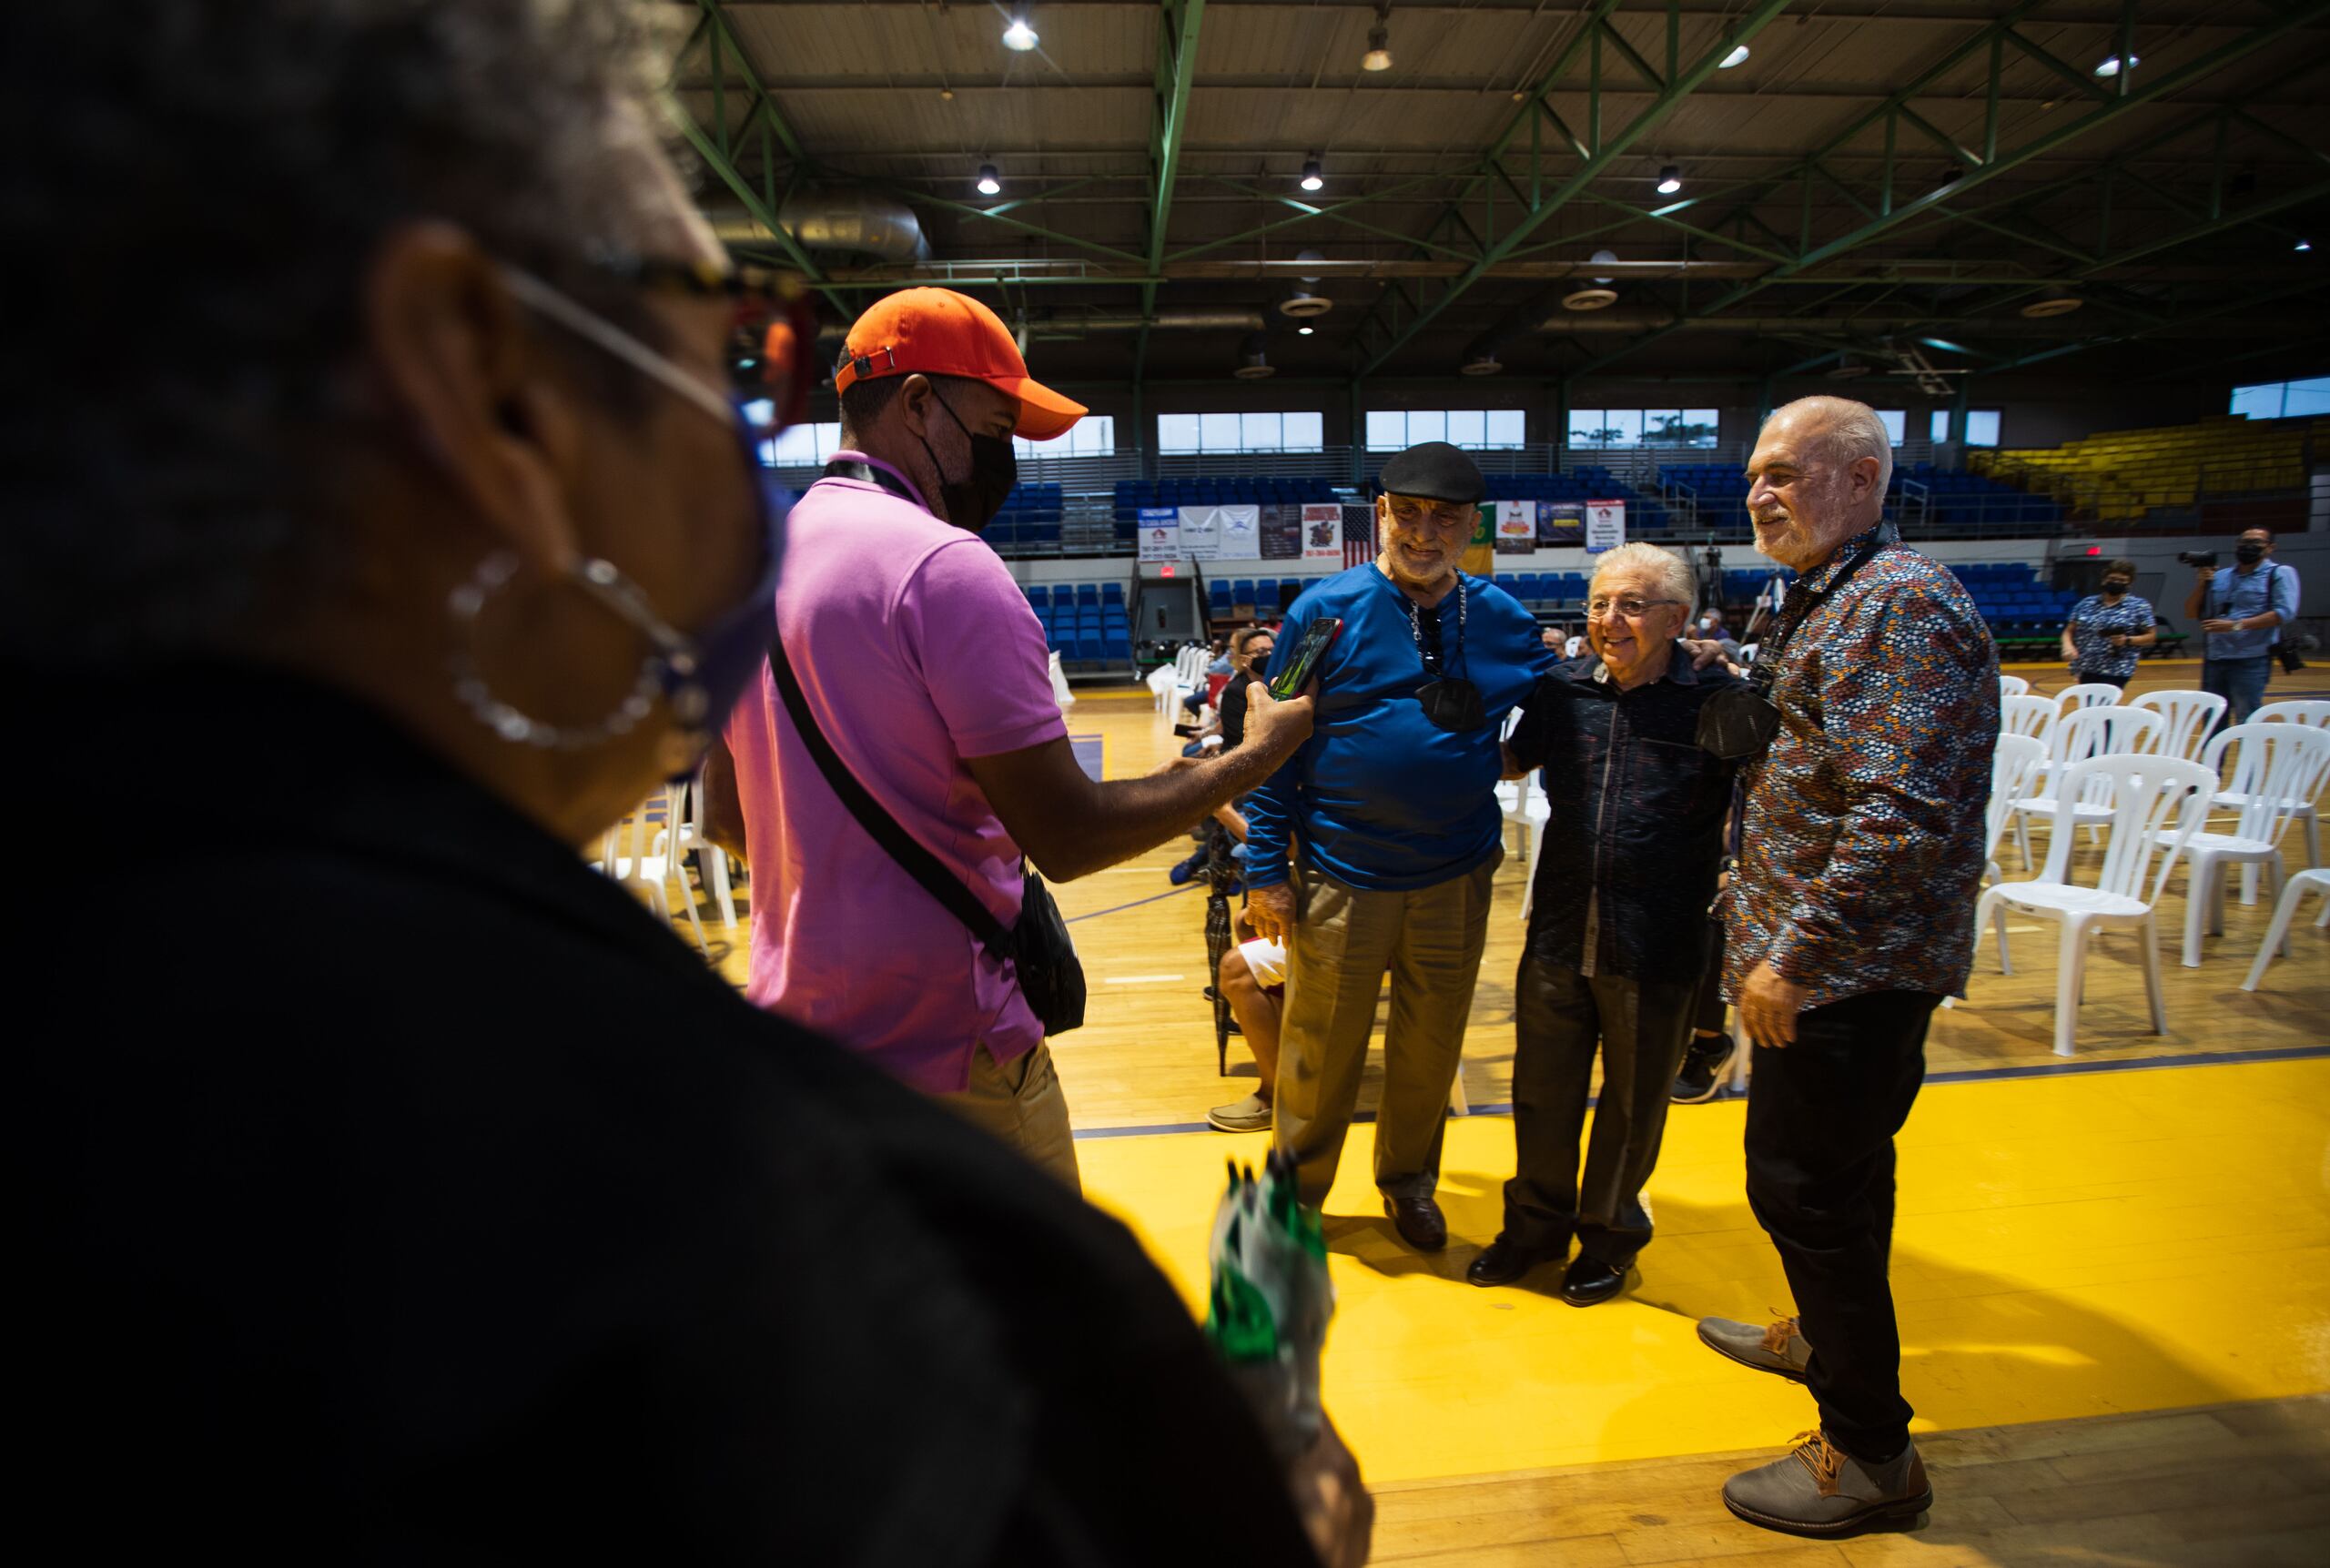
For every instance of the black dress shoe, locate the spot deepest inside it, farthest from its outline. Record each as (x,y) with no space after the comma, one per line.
(1418,1221)
(1501,1262)
(1591,1281)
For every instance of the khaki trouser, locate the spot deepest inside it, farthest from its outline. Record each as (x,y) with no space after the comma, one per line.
(1431,940)
(1019,1101)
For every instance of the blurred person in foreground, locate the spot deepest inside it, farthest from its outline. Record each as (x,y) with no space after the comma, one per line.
(1390,816)
(423,1200)
(919,663)
(1849,917)
(2107,631)
(1617,924)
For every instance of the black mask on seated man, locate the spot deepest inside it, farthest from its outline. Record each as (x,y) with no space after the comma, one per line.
(2248,552)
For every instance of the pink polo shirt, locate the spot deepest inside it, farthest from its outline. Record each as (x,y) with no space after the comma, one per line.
(916,649)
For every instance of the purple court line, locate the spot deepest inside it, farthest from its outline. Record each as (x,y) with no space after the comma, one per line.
(1187,887)
(1968,1076)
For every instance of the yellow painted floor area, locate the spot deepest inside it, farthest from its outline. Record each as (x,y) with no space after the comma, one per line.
(2066,1247)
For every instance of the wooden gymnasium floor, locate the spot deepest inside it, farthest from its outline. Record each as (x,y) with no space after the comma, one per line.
(2113,1272)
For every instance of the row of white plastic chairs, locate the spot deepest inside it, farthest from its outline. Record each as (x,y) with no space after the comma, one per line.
(2126,771)
(647,852)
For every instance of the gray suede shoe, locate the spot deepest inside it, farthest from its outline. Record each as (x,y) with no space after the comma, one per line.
(1780,1348)
(1823,1491)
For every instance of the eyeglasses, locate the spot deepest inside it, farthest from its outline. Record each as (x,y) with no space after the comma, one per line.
(772,292)
(1441,516)
(1632,609)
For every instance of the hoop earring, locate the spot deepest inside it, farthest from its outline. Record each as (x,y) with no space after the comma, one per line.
(669,653)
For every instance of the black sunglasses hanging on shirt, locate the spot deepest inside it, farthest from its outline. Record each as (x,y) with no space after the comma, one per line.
(1449,702)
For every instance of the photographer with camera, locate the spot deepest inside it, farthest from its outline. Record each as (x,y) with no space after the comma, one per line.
(2242,610)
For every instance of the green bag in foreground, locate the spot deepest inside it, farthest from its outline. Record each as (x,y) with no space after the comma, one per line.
(1271,1301)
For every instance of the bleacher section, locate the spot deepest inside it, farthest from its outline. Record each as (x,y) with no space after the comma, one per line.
(1084,622)
(1029,519)
(2125,474)
(1920,493)
(1239,600)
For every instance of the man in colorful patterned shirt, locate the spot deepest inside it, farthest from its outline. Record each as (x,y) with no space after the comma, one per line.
(1851,915)
(2102,638)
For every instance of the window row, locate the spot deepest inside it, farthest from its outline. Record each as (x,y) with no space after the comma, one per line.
(1643,427)
(2283,399)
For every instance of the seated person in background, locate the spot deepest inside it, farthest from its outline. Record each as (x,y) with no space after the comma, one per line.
(2105,631)
(1711,628)
(1551,636)
(1573,646)
(1257,1002)
(1617,926)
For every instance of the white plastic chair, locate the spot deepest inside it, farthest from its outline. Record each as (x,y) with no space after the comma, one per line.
(2087,732)
(2087,694)
(2278,934)
(2312,712)
(2158,803)
(2013,686)
(2277,767)
(2190,715)
(2015,767)
(2026,716)
(711,861)
(647,870)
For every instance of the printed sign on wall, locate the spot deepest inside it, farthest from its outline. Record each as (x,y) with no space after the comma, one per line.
(1605,525)
(1516,527)
(1160,534)
(1561,523)
(1323,531)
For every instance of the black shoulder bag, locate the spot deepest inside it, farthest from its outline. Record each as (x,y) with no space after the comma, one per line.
(1038,946)
(2285,645)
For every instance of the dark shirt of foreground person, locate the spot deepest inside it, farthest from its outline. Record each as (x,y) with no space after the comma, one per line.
(398,1189)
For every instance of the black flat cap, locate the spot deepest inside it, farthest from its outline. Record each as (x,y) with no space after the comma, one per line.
(1434,472)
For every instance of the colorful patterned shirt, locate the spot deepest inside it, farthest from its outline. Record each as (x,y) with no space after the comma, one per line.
(1864,834)
(2095,623)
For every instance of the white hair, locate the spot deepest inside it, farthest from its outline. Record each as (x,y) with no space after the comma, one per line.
(1668,570)
(1848,430)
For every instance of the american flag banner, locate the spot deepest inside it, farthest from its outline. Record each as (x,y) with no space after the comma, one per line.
(1359,535)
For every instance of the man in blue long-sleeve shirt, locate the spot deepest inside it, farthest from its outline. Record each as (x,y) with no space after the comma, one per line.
(1390,811)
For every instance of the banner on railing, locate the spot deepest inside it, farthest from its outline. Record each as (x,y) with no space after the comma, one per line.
(1561,523)
(1160,534)
(1281,531)
(1516,527)
(1605,525)
(1221,533)
(1323,531)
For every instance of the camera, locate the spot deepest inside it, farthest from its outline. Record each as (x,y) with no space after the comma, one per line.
(2202,559)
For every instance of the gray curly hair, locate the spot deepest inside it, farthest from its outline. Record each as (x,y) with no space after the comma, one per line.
(210,179)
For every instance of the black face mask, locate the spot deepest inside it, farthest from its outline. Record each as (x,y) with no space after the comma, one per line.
(2115,588)
(972,501)
(2249,554)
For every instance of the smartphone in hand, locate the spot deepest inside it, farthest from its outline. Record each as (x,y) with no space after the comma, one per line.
(1317,638)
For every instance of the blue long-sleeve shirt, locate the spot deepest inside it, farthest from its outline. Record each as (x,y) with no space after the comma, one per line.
(1379,798)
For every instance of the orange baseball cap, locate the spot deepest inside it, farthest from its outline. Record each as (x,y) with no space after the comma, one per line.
(942,333)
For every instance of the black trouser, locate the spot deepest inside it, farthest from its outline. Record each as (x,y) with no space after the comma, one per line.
(1641,1028)
(2083,677)
(1821,1115)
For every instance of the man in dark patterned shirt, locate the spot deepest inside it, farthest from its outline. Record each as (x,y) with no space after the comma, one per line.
(1851,915)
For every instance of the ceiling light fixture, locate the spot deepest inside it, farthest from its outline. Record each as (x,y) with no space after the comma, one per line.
(1379,41)
(1304,330)
(1738,54)
(2303,245)
(1019,36)
(988,184)
(2056,302)
(1670,180)
(2110,67)
(1311,179)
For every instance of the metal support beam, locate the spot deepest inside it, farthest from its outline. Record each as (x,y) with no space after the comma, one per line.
(1177,67)
(1605,152)
(2289,20)
(1336,212)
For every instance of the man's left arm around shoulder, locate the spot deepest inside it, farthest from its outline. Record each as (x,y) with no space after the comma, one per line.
(1913,707)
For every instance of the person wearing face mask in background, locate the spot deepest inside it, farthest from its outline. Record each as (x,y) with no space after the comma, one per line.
(1710,626)
(921,664)
(2102,638)
(2243,610)
(466,1216)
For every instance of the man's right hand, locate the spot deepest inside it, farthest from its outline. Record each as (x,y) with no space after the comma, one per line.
(1278,726)
(1271,909)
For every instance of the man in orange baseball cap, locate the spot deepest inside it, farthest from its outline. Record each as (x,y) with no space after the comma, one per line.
(911,651)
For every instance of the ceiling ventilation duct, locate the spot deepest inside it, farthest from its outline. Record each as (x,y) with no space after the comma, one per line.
(1848,370)
(2056,303)
(1164,321)
(1253,360)
(1307,301)
(1480,362)
(1600,297)
(855,222)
